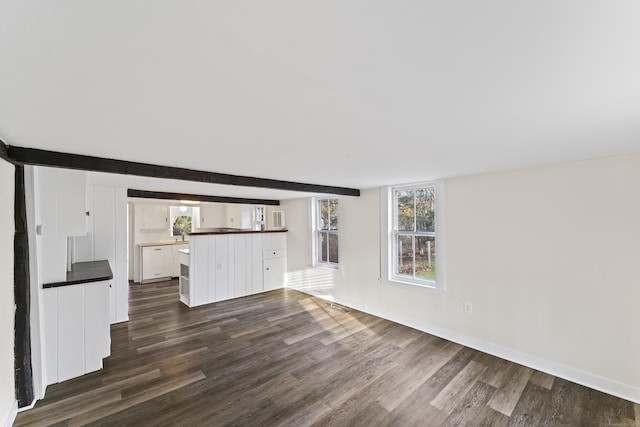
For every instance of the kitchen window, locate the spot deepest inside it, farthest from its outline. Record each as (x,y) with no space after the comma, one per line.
(326,232)
(413,236)
(181,220)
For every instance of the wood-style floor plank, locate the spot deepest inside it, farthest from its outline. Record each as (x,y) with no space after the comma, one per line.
(283,358)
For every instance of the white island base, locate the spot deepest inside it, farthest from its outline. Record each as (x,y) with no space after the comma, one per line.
(221,266)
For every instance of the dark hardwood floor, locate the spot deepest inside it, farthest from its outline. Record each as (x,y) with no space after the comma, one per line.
(285,358)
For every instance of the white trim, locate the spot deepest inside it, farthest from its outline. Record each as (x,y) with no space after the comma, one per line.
(314,235)
(11,416)
(387,252)
(587,379)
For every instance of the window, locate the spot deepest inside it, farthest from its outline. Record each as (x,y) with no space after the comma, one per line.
(413,234)
(181,220)
(326,236)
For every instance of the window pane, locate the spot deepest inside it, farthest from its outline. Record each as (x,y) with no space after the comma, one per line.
(322,247)
(404,210)
(405,255)
(425,257)
(323,215)
(333,248)
(425,209)
(181,225)
(333,214)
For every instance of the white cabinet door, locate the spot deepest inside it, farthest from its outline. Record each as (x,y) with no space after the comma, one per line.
(72,202)
(63,201)
(70,332)
(239,216)
(274,257)
(97,340)
(153,217)
(156,262)
(274,270)
(211,216)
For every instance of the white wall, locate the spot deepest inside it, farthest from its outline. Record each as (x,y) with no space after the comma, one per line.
(548,257)
(8,404)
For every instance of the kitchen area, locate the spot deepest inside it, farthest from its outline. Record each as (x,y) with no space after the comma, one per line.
(217,251)
(92,240)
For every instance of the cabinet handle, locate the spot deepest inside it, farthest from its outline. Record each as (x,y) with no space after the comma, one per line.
(267,268)
(274,253)
(157,249)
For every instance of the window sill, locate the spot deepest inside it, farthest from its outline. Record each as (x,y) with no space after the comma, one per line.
(327,267)
(426,286)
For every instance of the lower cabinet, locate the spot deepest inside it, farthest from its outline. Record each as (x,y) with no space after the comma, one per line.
(157,262)
(76,323)
(275,265)
(229,266)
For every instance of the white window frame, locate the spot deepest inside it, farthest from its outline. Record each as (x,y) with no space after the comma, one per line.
(316,234)
(389,239)
(188,212)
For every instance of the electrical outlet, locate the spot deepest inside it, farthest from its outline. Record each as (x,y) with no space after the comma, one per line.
(467,307)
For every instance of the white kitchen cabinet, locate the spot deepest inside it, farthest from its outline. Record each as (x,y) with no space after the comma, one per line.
(152,217)
(72,202)
(175,258)
(211,216)
(274,257)
(157,262)
(62,201)
(274,271)
(239,216)
(76,323)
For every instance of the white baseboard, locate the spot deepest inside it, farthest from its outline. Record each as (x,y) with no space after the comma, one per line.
(605,385)
(11,417)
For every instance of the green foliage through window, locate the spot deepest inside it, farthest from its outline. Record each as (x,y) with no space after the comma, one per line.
(181,225)
(414,233)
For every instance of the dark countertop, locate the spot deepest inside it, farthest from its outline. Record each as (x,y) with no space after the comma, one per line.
(210,233)
(85,272)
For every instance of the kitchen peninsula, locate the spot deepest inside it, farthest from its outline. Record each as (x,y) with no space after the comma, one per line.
(230,264)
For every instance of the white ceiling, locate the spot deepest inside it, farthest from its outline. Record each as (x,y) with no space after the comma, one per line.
(345,93)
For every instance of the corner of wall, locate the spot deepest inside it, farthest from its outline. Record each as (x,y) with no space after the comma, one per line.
(11,417)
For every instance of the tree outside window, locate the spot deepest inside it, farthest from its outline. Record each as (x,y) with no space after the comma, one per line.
(414,234)
(327,238)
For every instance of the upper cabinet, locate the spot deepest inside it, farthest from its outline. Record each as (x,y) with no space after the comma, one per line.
(220,215)
(211,216)
(153,217)
(63,201)
(239,216)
